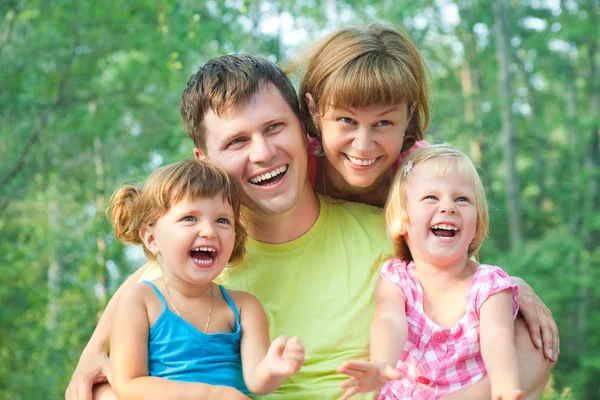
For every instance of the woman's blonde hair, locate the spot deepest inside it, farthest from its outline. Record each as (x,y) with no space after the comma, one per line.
(132,209)
(449,161)
(360,66)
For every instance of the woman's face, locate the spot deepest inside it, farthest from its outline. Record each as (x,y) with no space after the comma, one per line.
(362,143)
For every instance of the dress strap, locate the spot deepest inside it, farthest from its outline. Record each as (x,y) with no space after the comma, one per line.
(230,302)
(158,293)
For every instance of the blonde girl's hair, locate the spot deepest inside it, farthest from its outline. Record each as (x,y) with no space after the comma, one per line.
(360,66)
(132,209)
(449,161)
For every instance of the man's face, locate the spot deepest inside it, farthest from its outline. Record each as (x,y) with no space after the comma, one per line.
(261,144)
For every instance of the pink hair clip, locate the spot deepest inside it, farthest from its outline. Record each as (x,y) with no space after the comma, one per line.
(408,168)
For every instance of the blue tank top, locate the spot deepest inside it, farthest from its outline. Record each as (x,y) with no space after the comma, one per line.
(180,352)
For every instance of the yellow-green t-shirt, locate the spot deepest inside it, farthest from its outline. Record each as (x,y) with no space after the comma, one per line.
(319,287)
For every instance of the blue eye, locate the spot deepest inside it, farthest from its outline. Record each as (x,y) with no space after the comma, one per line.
(462,198)
(237,140)
(223,221)
(430,197)
(274,126)
(385,123)
(189,218)
(346,120)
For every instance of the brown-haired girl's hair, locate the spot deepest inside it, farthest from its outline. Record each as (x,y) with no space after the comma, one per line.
(360,66)
(132,209)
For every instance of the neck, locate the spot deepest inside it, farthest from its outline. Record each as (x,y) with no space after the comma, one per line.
(443,276)
(187,290)
(287,226)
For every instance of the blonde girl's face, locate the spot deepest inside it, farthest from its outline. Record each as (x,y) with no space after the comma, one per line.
(362,143)
(194,239)
(442,215)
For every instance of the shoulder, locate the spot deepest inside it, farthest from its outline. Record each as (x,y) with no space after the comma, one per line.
(243,299)
(136,295)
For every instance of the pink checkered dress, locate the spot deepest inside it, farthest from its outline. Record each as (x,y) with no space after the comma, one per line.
(437,361)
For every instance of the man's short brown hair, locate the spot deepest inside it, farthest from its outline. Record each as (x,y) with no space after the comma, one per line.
(224,82)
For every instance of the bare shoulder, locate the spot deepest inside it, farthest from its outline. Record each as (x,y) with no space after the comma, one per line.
(137,294)
(244,300)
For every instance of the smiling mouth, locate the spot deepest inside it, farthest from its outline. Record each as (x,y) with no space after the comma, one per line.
(204,255)
(444,230)
(359,162)
(269,178)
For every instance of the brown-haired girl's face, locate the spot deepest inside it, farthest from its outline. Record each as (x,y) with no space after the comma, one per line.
(362,143)
(194,239)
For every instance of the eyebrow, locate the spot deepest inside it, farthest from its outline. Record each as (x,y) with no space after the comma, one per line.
(386,111)
(237,134)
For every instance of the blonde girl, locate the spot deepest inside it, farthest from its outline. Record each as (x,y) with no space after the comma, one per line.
(442,321)
(179,336)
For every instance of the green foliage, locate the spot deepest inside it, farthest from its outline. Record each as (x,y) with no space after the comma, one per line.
(89,96)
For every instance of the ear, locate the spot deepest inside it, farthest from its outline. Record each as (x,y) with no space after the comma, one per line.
(312,109)
(147,235)
(412,109)
(199,154)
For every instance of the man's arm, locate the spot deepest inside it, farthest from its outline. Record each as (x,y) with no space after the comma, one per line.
(93,366)
(541,324)
(534,370)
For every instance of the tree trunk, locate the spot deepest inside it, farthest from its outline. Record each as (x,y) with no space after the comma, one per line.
(101,272)
(508,128)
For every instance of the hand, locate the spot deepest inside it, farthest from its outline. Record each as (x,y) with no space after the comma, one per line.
(366,376)
(541,324)
(91,369)
(285,356)
(510,396)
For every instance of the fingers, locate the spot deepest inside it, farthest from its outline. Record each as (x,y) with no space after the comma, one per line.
(294,350)
(348,370)
(349,393)
(391,374)
(549,332)
(277,346)
(350,383)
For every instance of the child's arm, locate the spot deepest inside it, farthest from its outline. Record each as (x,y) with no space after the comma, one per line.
(498,347)
(265,365)
(129,357)
(389,331)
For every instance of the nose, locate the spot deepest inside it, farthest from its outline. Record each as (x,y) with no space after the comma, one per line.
(207,230)
(363,141)
(447,206)
(261,150)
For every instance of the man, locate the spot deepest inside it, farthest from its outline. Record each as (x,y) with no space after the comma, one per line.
(311,260)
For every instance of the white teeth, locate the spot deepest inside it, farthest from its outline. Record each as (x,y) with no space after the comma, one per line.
(205,262)
(444,227)
(203,248)
(269,175)
(358,161)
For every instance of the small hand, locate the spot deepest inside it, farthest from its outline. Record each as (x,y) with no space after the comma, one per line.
(510,396)
(285,356)
(366,376)
(90,370)
(541,324)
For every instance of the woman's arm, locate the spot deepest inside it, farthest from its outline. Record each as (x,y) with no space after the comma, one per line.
(265,364)
(498,347)
(389,332)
